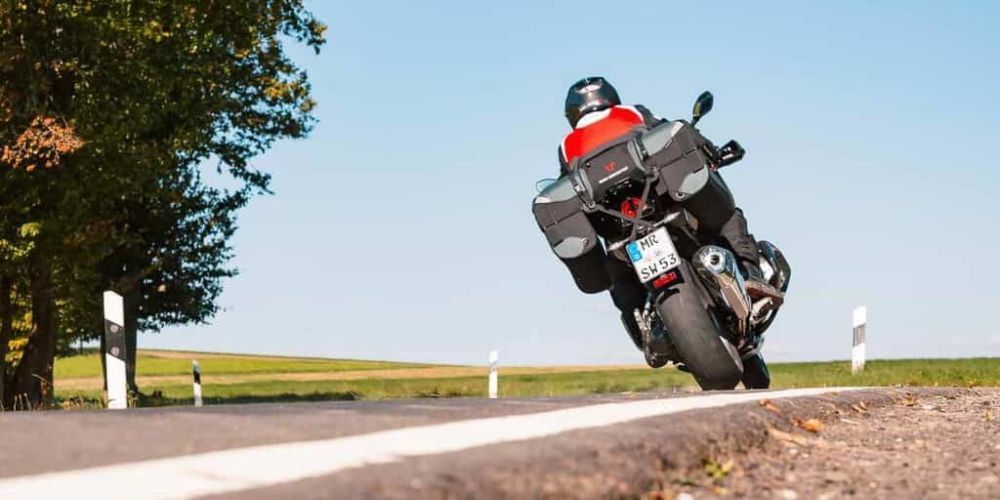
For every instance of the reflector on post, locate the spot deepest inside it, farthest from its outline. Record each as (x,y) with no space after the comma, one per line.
(858,351)
(196,372)
(494,381)
(114,351)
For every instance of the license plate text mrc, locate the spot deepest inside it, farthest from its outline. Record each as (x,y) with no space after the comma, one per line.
(653,255)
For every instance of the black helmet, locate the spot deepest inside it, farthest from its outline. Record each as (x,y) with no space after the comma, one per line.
(589,95)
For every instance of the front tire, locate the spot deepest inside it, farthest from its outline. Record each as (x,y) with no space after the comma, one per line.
(755,373)
(698,336)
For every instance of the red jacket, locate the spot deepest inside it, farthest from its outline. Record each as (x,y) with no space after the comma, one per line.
(601,127)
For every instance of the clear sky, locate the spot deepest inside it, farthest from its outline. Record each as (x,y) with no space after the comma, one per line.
(401,229)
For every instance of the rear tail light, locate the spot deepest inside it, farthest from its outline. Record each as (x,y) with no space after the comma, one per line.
(666,279)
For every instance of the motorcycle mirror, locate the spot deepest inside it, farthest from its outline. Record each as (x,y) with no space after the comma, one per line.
(702,106)
(543,184)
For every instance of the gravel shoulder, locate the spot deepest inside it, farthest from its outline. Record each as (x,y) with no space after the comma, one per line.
(922,445)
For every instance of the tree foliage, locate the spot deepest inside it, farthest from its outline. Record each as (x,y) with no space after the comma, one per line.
(110,110)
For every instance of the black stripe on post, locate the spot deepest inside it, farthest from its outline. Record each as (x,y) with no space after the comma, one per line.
(114,339)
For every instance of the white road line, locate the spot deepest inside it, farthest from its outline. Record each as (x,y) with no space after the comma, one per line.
(259,466)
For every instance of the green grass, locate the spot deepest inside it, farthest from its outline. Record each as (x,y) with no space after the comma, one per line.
(922,372)
(939,372)
(554,384)
(149,363)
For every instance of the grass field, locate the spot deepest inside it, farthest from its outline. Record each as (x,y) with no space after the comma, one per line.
(240,378)
(152,362)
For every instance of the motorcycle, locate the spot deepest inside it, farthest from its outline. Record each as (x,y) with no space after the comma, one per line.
(698,314)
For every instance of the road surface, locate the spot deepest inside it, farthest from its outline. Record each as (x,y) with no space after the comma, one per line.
(657,445)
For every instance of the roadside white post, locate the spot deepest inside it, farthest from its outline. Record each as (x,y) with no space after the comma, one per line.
(858,352)
(114,353)
(494,377)
(196,371)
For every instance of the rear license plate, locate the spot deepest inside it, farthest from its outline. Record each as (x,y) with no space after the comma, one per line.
(653,255)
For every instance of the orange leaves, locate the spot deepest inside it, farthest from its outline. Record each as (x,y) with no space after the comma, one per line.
(787,437)
(768,405)
(43,144)
(812,424)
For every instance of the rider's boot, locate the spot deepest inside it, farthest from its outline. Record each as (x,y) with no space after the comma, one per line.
(629,297)
(650,343)
(744,245)
(757,286)
(655,347)
(633,330)
(653,343)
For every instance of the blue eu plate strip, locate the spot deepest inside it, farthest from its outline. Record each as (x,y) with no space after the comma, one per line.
(633,252)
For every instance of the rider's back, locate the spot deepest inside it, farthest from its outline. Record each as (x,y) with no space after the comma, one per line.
(599,128)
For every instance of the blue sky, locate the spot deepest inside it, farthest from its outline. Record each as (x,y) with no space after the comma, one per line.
(401,229)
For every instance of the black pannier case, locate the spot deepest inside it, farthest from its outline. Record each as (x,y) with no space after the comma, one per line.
(559,213)
(675,151)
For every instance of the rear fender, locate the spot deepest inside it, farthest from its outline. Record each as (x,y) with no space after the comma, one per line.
(688,275)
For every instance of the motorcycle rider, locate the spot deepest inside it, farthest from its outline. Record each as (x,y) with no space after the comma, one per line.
(597,116)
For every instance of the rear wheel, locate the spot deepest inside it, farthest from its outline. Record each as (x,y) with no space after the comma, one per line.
(698,337)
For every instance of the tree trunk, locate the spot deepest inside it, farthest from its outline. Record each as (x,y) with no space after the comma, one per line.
(104,365)
(33,377)
(132,297)
(6,332)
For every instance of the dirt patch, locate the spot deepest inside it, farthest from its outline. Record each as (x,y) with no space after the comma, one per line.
(919,446)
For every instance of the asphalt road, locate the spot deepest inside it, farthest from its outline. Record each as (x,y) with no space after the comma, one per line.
(577,447)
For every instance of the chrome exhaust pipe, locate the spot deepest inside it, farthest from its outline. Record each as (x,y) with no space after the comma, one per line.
(717,266)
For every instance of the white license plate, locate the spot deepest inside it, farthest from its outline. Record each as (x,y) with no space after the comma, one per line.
(653,255)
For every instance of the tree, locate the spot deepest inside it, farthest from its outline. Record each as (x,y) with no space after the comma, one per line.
(109,110)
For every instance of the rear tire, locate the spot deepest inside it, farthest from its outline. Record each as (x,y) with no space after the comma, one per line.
(697,335)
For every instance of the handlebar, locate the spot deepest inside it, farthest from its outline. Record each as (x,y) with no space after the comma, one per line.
(730,152)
